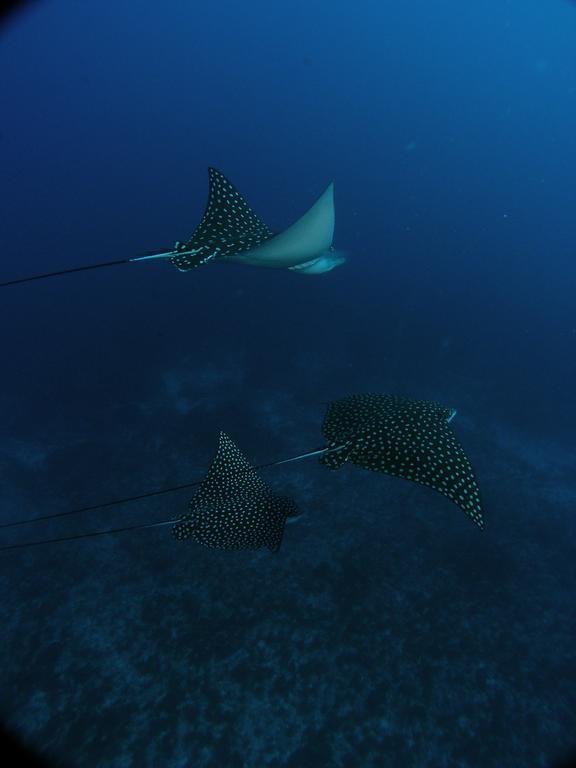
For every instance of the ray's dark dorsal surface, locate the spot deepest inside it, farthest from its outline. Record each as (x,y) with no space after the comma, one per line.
(233,507)
(229,226)
(411,439)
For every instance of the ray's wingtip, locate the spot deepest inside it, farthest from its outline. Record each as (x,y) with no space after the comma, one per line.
(479,520)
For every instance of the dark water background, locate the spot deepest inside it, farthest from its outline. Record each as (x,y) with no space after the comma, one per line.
(388,631)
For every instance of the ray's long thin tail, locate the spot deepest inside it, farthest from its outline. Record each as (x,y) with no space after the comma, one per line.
(85,268)
(127,499)
(307,455)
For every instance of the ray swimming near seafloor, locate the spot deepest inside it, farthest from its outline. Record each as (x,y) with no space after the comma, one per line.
(234,508)
(406,438)
(410,439)
(230,231)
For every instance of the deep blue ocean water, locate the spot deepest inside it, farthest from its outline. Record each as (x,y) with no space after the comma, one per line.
(388,631)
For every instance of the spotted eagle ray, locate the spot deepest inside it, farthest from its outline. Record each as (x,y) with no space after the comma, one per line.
(406,438)
(411,439)
(234,508)
(230,231)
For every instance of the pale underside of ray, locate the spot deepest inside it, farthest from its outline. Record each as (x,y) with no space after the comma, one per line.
(307,240)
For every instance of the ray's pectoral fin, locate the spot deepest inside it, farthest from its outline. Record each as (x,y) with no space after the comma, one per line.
(229,227)
(306,244)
